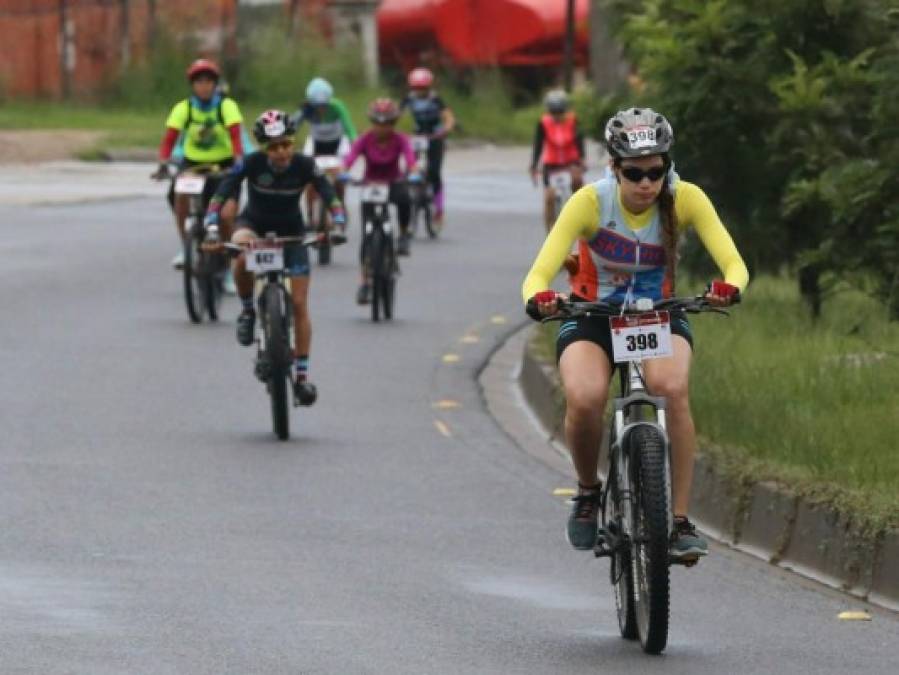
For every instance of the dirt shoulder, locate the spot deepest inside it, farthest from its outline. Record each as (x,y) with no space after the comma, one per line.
(19,146)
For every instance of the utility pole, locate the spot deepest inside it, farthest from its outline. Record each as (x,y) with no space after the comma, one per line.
(228,29)
(568,62)
(151,25)
(293,17)
(356,20)
(607,67)
(124,35)
(66,49)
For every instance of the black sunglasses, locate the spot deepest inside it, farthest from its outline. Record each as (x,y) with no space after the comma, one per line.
(635,175)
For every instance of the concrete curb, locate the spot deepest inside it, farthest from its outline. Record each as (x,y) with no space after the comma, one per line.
(762,519)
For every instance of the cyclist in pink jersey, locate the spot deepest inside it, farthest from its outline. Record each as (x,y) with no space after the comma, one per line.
(383,147)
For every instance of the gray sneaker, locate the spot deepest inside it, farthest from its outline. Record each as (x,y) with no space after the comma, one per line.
(686,545)
(581,531)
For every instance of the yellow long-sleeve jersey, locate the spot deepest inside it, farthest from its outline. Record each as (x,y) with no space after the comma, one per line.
(620,251)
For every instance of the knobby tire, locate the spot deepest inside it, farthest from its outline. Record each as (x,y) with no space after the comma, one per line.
(650,548)
(375,261)
(324,244)
(277,350)
(620,570)
(194,291)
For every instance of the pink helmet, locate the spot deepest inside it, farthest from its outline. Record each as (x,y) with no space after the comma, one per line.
(201,66)
(420,78)
(383,111)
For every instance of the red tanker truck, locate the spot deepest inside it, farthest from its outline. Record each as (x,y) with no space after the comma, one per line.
(471,33)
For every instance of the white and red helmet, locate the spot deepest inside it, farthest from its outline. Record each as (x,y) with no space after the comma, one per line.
(273,124)
(420,78)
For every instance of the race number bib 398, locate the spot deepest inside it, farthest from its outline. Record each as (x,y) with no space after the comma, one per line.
(262,259)
(641,336)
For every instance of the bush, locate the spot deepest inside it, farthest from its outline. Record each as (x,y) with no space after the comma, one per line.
(773,105)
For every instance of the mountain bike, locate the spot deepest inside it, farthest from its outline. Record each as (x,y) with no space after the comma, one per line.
(203,271)
(421,193)
(379,257)
(635,503)
(274,353)
(319,216)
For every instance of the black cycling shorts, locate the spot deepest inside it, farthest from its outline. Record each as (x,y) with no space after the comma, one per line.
(296,255)
(596,330)
(325,148)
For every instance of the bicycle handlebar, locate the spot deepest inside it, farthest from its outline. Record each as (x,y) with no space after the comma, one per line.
(308,239)
(567,309)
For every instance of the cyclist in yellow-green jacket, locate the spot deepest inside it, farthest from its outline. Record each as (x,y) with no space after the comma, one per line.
(211,127)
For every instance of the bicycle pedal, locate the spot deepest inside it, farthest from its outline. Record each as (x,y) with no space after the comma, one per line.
(262,371)
(602,551)
(683,562)
(606,543)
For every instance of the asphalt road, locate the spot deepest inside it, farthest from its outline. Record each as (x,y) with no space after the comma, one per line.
(152,523)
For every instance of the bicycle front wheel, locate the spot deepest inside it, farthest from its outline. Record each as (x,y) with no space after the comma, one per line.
(194,286)
(376,263)
(621,572)
(386,279)
(277,353)
(649,525)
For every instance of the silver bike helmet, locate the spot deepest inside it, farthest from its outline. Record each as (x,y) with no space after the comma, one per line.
(556,101)
(638,132)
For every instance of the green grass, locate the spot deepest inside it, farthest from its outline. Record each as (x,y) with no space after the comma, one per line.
(142,127)
(810,405)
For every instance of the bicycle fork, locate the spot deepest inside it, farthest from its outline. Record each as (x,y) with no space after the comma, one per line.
(616,533)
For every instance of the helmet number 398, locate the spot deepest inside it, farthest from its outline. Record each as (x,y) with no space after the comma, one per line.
(641,137)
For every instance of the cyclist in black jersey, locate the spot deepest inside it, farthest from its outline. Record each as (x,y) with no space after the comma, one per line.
(276,178)
(434,119)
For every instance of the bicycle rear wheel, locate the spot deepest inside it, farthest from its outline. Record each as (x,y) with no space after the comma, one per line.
(213,267)
(650,539)
(277,353)
(433,226)
(194,286)
(324,245)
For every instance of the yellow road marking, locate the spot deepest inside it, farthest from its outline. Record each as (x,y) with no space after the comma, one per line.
(854,616)
(470,339)
(450,358)
(564,492)
(446,404)
(443,429)
(498,319)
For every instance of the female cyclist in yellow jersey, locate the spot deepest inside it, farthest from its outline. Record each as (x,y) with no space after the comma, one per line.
(627,227)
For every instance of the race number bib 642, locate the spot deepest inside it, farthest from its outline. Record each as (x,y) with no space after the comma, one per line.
(262,259)
(641,336)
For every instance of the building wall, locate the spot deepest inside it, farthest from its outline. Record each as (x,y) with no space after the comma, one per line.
(31,38)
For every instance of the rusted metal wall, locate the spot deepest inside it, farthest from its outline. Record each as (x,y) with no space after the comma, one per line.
(57,48)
